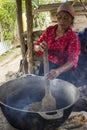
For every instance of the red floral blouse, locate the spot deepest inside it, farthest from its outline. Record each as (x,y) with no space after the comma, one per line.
(63,49)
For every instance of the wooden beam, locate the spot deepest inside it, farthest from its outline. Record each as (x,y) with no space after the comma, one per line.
(50,7)
(29,35)
(20,28)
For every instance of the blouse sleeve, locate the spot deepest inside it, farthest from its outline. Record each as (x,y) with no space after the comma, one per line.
(74,50)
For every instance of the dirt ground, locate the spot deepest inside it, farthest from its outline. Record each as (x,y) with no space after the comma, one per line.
(9,62)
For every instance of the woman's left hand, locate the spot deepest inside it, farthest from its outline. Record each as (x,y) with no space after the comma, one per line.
(52,74)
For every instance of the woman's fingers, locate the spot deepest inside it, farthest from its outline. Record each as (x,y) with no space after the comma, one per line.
(52,74)
(43,46)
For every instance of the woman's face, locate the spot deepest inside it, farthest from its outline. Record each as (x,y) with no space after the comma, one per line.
(64,19)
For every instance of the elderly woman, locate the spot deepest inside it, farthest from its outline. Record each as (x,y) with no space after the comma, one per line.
(62,43)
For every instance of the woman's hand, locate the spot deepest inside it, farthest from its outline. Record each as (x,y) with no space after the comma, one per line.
(43,46)
(53,74)
(40,47)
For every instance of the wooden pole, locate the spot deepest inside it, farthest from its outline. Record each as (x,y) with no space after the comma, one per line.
(20,28)
(29,35)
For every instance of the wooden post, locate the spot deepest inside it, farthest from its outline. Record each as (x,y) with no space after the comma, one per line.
(29,35)
(22,41)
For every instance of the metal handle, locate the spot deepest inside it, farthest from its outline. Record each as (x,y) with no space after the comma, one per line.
(52,115)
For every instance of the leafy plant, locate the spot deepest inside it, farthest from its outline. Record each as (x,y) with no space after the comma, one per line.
(7,18)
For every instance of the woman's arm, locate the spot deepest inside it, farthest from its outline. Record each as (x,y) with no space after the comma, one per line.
(56,72)
(67,66)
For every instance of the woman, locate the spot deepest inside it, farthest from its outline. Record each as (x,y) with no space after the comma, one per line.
(62,43)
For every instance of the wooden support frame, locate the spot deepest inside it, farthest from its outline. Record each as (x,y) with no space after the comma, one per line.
(29,35)
(50,7)
(20,28)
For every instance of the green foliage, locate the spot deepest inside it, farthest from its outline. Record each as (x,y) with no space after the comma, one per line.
(7,18)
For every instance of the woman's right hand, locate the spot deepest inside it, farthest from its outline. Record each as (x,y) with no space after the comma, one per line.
(40,47)
(43,46)
(52,74)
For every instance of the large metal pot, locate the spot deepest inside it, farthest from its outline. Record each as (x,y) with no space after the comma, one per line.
(16,94)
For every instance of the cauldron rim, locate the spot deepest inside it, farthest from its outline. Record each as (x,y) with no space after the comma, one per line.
(21,110)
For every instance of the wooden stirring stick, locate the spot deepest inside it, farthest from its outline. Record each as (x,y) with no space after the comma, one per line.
(48,102)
